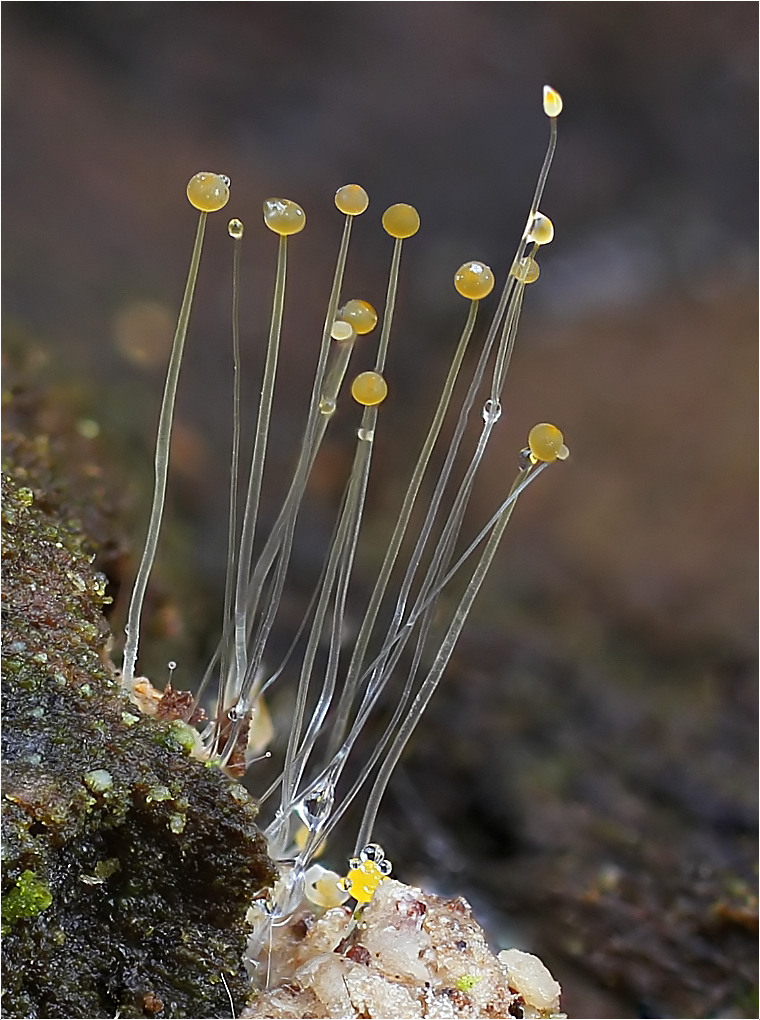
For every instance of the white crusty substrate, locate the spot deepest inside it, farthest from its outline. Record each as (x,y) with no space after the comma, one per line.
(411,955)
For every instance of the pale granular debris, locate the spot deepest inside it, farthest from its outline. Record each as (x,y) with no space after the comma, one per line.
(411,955)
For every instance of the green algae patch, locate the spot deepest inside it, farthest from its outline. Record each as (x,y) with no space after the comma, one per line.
(27,898)
(467,982)
(150,860)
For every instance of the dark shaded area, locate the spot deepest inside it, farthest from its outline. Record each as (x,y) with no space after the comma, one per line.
(128,867)
(587,771)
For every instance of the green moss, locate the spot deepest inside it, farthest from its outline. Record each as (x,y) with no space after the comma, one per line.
(180,737)
(27,898)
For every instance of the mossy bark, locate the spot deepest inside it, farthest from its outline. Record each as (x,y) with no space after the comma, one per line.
(129,865)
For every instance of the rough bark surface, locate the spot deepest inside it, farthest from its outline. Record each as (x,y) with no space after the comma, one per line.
(129,865)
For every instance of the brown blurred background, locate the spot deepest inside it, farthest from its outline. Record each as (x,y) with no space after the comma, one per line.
(586,774)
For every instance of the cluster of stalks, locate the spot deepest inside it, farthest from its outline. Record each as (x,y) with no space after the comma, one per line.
(407,631)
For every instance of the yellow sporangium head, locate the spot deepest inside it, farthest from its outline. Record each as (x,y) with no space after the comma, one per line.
(208,192)
(401,220)
(351,199)
(284,217)
(474,280)
(546,444)
(552,102)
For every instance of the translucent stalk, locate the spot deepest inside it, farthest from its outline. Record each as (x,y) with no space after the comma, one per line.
(238,687)
(229,580)
(370,616)
(389,657)
(343,549)
(163,443)
(257,464)
(428,687)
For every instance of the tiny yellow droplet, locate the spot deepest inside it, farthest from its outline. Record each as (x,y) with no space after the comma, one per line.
(362,882)
(208,192)
(369,389)
(546,443)
(351,199)
(474,280)
(541,229)
(360,314)
(527,270)
(235,229)
(401,220)
(552,102)
(283,216)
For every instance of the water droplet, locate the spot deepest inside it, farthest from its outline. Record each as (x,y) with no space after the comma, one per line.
(372,852)
(367,435)
(491,411)
(287,893)
(326,407)
(314,808)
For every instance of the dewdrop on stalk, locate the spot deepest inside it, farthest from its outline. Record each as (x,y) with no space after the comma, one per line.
(236,229)
(407,622)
